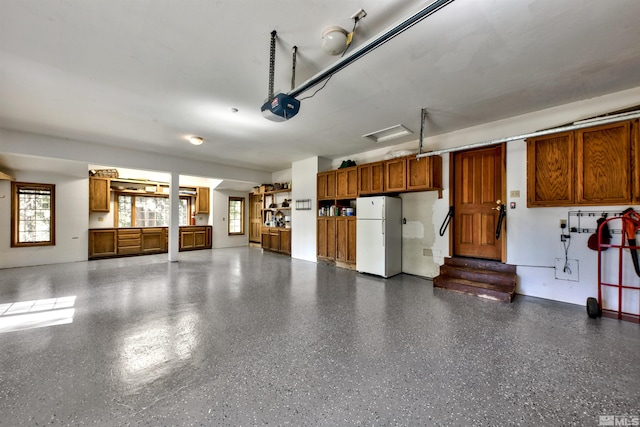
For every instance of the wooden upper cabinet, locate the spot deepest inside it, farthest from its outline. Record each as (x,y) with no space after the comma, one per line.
(424,173)
(371,178)
(347,183)
(395,175)
(603,164)
(99,194)
(326,185)
(550,170)
(202,200)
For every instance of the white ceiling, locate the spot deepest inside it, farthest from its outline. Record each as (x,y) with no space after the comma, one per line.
(145,74)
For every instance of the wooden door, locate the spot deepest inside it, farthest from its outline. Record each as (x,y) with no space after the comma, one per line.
(255,217)
(478,185)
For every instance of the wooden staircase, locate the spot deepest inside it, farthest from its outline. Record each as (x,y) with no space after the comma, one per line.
(483,278)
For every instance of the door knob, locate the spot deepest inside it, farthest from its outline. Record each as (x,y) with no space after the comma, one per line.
(498,202)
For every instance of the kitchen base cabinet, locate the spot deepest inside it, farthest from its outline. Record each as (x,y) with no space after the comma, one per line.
(116,242)
(276,239)
(102,243)
(346,239)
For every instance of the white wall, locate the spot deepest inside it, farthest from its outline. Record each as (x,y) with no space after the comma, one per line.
(72,201)
(220,201)
(303,222)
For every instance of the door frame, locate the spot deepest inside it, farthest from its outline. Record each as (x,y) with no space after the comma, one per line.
(503,192)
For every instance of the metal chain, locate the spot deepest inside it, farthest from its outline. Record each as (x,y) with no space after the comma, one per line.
(293,70)
(272,63)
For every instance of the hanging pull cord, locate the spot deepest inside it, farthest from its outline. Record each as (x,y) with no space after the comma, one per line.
(446,222)
(293,67)
(501,217)
(272,62)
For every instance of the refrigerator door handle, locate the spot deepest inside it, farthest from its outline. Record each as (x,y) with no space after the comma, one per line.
(382,222)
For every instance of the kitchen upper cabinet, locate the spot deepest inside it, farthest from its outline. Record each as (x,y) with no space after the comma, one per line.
(591,166)
(326,185)
(326,239)
(347,183)
(550,170)
(395,175)
(603,164)
(371,178)
(99,194)
(202,200)
(346,239)
(424,173)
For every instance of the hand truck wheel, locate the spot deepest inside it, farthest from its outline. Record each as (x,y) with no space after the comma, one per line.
(593,308)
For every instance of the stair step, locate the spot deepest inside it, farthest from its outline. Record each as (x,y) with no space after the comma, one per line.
(485,290)
(480,263)
(479,275)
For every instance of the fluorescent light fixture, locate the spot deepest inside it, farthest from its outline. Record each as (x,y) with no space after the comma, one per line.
(388,134)
(196,140)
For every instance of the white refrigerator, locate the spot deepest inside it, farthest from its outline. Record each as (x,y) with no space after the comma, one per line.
(379,235)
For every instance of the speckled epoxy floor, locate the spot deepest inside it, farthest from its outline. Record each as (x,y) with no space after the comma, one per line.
(237,337)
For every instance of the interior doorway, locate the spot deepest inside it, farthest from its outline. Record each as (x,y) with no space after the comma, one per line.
(479,189)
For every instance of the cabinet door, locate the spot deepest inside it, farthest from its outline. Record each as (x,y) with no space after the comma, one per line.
(347,183)
(341,239)
(326,185)
(346,239)
(550,170)
(152,240)
(274,240)
(99,194)
(635,141)
(187,239)
(364,179)
(265,240)
(395,171)
(285,241)
(377,177)
(102,243)
(351,240)
(326,238)
(603,165)
(424,174)
(202,200)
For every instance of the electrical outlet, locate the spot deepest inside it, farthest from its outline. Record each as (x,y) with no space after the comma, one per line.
(563,223)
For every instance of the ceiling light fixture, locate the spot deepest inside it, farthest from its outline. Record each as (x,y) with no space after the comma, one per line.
(334,40)
(196,140)
(388,134)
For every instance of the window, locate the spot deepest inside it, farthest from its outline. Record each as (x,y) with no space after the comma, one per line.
(236,215)
(149,211)
(32,214)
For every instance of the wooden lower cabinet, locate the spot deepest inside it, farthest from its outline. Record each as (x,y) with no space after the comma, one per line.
(102,243)
(326,239)
(195,237)
(346,239)
(114,242)
(276,239)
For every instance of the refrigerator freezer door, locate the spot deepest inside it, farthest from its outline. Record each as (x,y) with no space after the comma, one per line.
(370,207)
(370,250)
